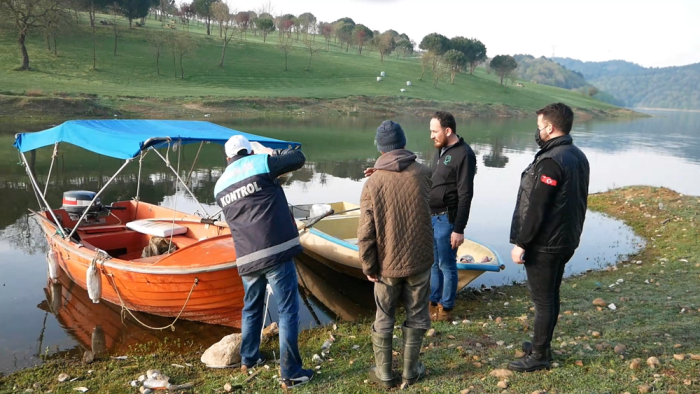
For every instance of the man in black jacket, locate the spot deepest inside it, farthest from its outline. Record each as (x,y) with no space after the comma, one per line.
(266,240)
(547,224)
(451,195)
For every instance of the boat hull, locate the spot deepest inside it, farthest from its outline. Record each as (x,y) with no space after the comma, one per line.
(200,282)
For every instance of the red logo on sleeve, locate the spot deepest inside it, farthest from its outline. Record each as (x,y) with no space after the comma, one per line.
(549,181)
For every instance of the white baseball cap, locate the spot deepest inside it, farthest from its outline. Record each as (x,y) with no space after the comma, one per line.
(236,144)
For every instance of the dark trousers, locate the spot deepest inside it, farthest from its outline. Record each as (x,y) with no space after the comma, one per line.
(544,274)
(413,291)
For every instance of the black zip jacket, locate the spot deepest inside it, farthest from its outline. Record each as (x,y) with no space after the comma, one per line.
(453,183)
(281,161)
(550,212)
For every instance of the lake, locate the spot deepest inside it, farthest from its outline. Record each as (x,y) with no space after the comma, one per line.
(37,319)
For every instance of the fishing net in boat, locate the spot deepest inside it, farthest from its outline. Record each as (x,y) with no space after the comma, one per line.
(158,246)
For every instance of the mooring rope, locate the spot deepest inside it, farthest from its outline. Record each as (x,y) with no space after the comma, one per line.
(171,325)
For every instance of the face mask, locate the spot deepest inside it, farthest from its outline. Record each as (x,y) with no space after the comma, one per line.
(538,139)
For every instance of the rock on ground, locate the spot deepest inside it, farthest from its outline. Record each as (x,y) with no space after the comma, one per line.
(224,353)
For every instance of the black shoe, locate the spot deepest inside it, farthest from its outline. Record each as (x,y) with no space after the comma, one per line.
(246,367)
(304,377)
(534,361)
(527,348)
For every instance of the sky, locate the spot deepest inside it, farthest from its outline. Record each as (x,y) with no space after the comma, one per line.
(658,33)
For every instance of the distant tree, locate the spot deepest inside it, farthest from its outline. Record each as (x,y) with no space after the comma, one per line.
(437,44)
(286,46)
(285,23)
(220,14)
(187,13)
(405,45)
(313,47)
(243,21)
(592,91)
(31,15)
(134,9)
(307,22)
(476,54)
(159,42)
(265,25)
(426,61)
(327,32)
(455,61)
(115,10)
(384,43)
(55,24)
(229,30)
(460,44)
(203,8)
(343,31)
(440,71)
(361,34)
(503,65)
(182,46)
(92,7)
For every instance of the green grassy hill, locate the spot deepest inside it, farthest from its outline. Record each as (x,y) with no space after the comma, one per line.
(252,69)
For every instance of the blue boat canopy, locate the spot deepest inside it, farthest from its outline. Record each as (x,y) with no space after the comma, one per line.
(125,139)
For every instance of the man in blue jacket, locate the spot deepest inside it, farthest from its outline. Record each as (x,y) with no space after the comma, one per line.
(266,240)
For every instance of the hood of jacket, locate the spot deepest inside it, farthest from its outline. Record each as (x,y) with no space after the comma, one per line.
(397,160)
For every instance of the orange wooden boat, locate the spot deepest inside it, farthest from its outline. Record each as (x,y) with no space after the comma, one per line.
(197,281)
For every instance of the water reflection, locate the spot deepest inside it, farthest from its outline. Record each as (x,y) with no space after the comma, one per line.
(661,151)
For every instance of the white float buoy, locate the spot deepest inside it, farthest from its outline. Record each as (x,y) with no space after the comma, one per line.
(94,282)
(379,79)
(52,262)
(403,90)
(383,74)
(408,83)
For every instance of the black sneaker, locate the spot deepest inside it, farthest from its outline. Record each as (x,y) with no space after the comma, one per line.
(304,377)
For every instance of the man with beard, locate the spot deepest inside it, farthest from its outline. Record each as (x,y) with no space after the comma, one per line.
(451,195)
(547,224)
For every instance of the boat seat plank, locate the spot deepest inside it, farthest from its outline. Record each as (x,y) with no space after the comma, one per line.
(102,229)
(156,228)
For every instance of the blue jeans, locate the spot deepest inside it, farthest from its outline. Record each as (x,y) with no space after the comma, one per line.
(283,280)
(443,275)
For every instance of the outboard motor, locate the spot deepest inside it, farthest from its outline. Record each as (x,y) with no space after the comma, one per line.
(75,202)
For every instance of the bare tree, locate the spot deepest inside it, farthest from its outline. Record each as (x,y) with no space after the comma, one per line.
(229,31)
(285,45)
(220,13)
(426,61)
(115,12)
(159,43)
(54,25)
(182,45)
(30,15)
(312,46)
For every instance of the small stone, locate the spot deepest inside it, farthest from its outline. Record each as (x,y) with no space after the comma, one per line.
(228,387)
(599,347)
(500,343)
(620,348)
(519,354)
(503,384)
(478,345)
(635,364)
(501,373)
(316,359)
(595,334)
(653,362)
(477,364)
(579,363)
(134,383)
(677,346)
(539,392)
(679,357)
(644,389)
(63,377)
(142,378)
(451,337)
(687,382)
(600,302)
(555,365)
(465,391)
(695,356)
(431,333)
(499,320)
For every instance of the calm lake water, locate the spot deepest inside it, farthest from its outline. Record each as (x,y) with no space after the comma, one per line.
(663,150)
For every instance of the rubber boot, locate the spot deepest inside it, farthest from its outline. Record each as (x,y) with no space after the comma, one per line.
(381,372)
(534,361)
(413,369)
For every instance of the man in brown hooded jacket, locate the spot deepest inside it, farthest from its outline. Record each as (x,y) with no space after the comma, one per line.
(395,239)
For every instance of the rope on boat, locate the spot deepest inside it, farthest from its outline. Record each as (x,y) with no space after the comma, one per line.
(189,176)
(53,159)
(171,325)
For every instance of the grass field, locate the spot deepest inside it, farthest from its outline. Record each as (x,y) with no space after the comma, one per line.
(656,316)
(252,69)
